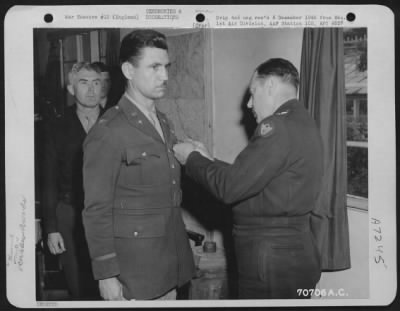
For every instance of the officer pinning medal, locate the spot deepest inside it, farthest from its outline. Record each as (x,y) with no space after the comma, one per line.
(272,186)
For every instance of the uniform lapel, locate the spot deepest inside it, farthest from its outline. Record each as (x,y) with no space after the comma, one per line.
(75,122)
(165,128)
(137,119)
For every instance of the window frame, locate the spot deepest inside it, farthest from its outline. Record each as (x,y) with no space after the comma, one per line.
(355,201)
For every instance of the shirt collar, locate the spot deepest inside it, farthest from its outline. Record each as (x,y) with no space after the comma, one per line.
(286,106)
(92,114)
(141,107)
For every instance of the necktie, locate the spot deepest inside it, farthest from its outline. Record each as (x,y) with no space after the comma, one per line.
(156,123)
(89,123)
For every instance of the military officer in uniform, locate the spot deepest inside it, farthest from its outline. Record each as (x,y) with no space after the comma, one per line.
(134,228)
(273,185)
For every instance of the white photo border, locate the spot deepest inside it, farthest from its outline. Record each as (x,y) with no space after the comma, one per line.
(19,134)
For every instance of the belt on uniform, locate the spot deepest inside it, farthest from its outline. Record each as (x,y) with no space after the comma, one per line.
(260,225)
(157,196)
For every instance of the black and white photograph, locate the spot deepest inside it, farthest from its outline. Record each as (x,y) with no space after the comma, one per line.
(217,158)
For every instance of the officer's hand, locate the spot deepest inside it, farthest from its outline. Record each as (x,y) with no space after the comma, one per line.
(111,289)
(55,242)
(182,151)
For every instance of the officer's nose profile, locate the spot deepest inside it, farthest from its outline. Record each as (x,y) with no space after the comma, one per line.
(164,74)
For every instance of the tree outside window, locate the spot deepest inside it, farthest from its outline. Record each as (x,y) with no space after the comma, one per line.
(355,59)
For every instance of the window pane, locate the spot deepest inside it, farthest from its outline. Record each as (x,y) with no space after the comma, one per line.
(357,119)
(357,171)
(356,76)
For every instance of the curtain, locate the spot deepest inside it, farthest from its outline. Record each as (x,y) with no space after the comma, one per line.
(53,89)
(112,60)
(112,47)
(322,91)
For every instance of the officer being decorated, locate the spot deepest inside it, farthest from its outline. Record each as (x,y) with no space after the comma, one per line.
(134,227)
(272,185)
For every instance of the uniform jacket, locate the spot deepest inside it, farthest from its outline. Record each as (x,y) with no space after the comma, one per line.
(132,218)
(278,174)
(62,165)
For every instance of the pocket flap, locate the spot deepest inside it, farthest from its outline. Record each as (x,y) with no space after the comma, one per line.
(139,226)
(139,153)
(287,246)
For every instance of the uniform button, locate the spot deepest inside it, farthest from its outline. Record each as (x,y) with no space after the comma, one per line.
(140,121)
(116,107)
(144,154)
(135,233)
(173,182)
(172,166)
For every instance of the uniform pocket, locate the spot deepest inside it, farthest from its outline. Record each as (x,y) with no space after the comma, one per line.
(139,226)
(135,155)
(276,261)
(247,252)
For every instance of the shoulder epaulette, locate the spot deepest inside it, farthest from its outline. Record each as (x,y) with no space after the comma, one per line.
(283,113)
(109,115)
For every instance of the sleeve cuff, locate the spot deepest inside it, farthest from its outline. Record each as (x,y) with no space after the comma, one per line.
(50,227)
(105,268)
(197,157)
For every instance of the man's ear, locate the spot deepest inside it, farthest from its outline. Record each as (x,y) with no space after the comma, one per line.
(70,89)
(128,70)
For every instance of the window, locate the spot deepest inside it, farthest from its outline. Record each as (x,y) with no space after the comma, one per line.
(355,59)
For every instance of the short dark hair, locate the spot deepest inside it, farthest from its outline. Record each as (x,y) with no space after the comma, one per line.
(281,68)
(101,66)
(134,42)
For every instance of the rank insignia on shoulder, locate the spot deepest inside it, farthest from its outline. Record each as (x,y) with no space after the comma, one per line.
(266,129)
(283,113)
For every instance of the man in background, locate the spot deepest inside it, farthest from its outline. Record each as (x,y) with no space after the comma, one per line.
(273,185)
(105,84)
(62,180)
(133,223)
